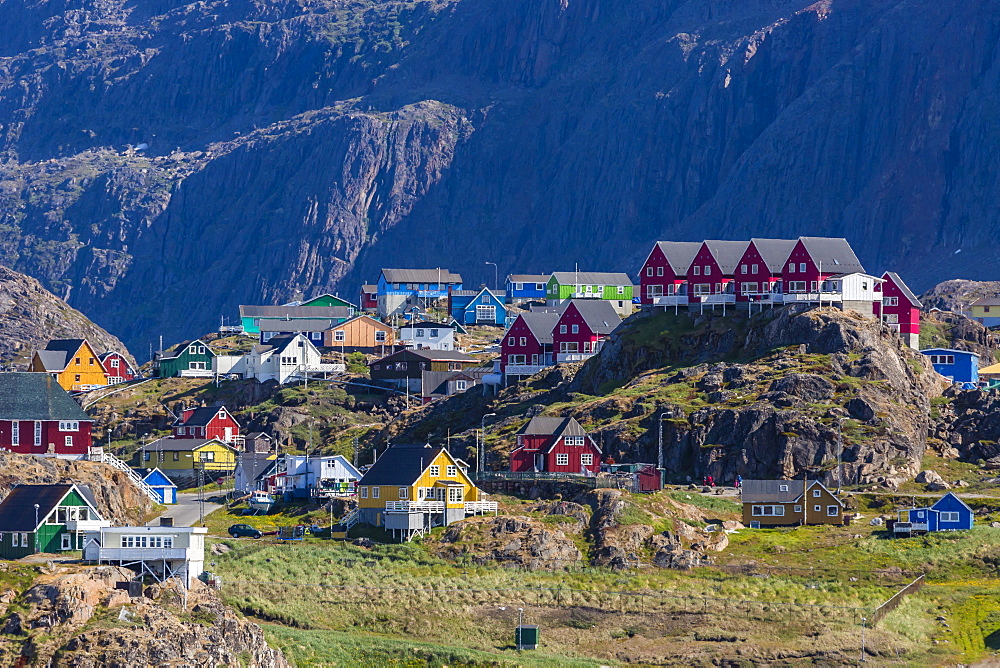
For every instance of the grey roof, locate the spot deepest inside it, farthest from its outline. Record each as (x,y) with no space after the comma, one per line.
(529,278)
(37,396)
(400,465)
(769,491)
(986,301)
(295,312)
(499,294)
(430,355)
(834,253)
(435,382)
(774,252)
(420,276)
(591,278)
(541,323)
(52,360)
(679,254)
(17,511)
(727,254)
(258,434)
(201,416)
(278,343)
(255,464)
(552,426)
(369,288)
(599,315)
(299,325)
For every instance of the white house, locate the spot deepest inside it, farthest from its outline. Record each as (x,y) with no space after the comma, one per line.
(316,476)
(162,552)
(428,335)
(286,358)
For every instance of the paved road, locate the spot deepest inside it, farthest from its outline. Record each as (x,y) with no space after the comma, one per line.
(186,513)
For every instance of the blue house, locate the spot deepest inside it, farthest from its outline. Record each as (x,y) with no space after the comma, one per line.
(399,289)
(958,366)
(483,307)
(949,513)
(161,484)
(525,287)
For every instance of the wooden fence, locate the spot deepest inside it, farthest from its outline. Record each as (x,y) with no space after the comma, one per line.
(890,605)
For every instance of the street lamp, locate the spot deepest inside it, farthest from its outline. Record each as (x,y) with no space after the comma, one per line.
(36,527)
(659,459)
(496,275)
(481,445)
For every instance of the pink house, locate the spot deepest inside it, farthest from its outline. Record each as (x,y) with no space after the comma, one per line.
(526,348)
(758,273)
(664,273)
(712,270)
(816,259)
(899,308)
(581,329)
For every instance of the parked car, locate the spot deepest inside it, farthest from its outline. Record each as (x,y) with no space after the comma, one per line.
(244,531)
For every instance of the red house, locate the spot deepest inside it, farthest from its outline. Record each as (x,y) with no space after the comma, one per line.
(526,348)
(369,298)
(758,273)
(555,445)
(581,329)
(207,422)
(664,273)
(713,269)
(118,368)
(815,259)
(899,308)
(37,416)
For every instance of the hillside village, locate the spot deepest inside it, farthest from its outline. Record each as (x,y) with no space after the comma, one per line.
(684,434)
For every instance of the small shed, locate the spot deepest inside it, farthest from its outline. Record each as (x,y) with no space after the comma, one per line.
(161,484)
(650,479)
(949,513)
(958,366)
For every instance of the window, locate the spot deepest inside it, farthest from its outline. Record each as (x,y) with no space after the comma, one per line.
(818,509)
(796,286)
(791,267)
(949,517)
(196,365)
(832,511)
(697,270)
(523,341)
(743,269)
(434,333)
(91,361)
(339,335)
(562,459)
(798,509)
(754,268)
(654,290)
(621,289)
(15,433)
(420,332)
(460,385)
(816,493)
(455,494)
(145,456)
(708,269)
(748,288)
(375,492)
(451,471)
(702,289)
(114,363)
(76,378)
(891,318)
(587,459)
(575,329)
(782,488)
(659,271)
(68,441)
(649,271)
(435,471)
(515,359)
(802,267)
(69,426)
(364,492)
(379,337)
(562,329)
(813,286)
(38,432)
(942,359)
(569,347)
(765,511)
(894,301)
(24,539)
(404,493)
(78,361)
(511,341)
(177,456)
(539,286)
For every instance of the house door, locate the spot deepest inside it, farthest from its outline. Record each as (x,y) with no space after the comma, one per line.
(539,462)
(229,434)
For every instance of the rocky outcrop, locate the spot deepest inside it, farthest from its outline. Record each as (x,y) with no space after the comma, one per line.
(352,136)
(511,541)
(76,618)
(117,498)
(957,294)
(30,316)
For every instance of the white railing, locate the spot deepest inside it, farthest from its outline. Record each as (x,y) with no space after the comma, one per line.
(908,527)
(573,357)
(523,369)
(135,553)
(813,296)
(99,455)
(670,300)
(473,507)
(86,525)
(351,518)
(414,506)
(717,299)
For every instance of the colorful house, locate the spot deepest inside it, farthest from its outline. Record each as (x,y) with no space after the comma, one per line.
(284,359)
(163,486)
(615,288)
(957,366)
(38,417)
(555,445)
(300,476)
(118,368)
(190,358)
(404,369)
(482,307)
(399,289)
(899,308)
(440,384)
(369,298)
(713,271)
(268,321)
(47,519)
(72,362)
(426,335)
(789,503)
(758,272)
(331,300)
(252,471)
(949,513)
(526,348)
(413,488)
(817,259)
(361,333)
(665,271)
(208,422)
(182,457)
(582,328)
(525,287)
(986,311)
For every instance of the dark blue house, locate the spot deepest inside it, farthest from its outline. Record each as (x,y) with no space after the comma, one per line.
(958,366)
(482,307)
(161,484)
(949,513)
(525,287)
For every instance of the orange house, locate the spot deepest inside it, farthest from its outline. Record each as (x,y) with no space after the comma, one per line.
(72,362)
(361,333)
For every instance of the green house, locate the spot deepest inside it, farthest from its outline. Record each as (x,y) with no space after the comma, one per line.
(329,300)
(565,285)
(191,358)
(47,518)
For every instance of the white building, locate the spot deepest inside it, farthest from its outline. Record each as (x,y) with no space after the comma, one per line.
(162,552)
(428,335)
(285,358)
(316,476)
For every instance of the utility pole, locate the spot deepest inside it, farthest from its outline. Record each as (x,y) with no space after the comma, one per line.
(840,450)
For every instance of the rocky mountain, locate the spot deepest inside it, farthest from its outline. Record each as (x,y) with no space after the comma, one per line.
(30,316)
(958,294)
(247,152)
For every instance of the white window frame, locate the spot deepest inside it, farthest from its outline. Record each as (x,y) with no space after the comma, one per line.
(754,268)
(832,511)
(451,471)
(380,336)
(818,509)
(575,329)
(562,329)
(802,267)
(562,459)
(587,459)
(659,271)
(435,471)
(404,493)
(66,541)
(782,488)
(68,441)
(69,426)
(364,492)
(15,433)
(339,335)
(950,516)
(891,301)
(455,494)
(649,271)
(523,340)
(375,492)
(38,432)
(817,493)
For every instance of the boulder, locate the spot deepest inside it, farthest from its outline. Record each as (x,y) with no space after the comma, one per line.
(928,476)
(961,483)
(807,387)
(860,409)
(938,486)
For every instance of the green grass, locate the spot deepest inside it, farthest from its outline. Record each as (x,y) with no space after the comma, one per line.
(715,504)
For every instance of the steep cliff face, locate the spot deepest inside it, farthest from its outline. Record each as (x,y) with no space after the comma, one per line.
(302,146)
(30,316)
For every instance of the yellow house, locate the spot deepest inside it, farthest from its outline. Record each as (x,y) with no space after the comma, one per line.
(72,362)
(412,488)
(171,455)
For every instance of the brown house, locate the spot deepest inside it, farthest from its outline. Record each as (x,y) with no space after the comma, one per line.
(789,503)
(361,333)
(404,370)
